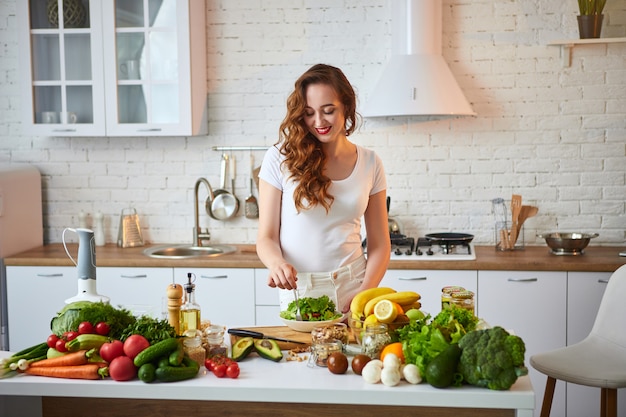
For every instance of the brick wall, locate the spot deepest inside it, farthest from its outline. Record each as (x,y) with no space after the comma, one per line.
(556,135)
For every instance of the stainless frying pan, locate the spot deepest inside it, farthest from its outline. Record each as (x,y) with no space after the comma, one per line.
(224,204)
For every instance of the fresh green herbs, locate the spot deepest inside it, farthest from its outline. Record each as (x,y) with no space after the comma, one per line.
(590,7)
(312,309)
(152,329)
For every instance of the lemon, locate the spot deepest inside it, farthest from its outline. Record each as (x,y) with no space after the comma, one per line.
(385,311)
(371,319)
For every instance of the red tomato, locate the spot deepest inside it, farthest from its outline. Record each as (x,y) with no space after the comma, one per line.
(52,341)
(60,345)
(232,371)
(122,368)
(103,328)
(135,344)
(209,364)
(70,336)
(111,350)
(220,370)
(85,328)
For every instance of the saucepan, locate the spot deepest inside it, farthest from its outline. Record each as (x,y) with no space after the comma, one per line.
(224,204)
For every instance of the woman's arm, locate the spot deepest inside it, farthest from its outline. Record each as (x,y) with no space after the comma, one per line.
(378,240)
(281,273)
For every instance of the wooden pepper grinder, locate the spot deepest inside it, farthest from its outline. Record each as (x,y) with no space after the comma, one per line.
(174,301)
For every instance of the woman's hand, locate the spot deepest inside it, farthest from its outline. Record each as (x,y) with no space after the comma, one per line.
(283,276)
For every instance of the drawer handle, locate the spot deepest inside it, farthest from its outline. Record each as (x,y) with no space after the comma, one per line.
(522,279)
(50,275)
(134,276)
(603,281)
(214,276)
(412,278)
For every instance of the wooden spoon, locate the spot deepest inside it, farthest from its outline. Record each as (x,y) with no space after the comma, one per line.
(525,213)
(516,207)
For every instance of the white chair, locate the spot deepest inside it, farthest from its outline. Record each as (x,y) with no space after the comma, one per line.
(599,360)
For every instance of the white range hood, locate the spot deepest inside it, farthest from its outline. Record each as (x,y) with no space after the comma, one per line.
(417,80)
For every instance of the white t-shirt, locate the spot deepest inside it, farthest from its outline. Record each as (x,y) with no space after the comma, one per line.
(313,241)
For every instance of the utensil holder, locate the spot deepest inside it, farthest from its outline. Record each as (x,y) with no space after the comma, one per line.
(504,240)
(129,233)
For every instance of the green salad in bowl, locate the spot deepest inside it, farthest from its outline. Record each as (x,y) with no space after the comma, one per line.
(312,309)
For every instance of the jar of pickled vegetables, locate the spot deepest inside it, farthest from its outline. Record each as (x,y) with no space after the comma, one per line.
(463,299)
(446,294)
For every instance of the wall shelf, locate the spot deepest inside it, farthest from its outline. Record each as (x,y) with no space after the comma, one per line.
(567,45)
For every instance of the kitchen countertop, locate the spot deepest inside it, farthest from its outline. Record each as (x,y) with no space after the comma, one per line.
(532,258)
(279,387)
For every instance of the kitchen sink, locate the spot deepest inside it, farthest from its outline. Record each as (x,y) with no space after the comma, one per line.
(188,251)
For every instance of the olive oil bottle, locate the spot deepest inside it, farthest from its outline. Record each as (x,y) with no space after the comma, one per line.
(190,310)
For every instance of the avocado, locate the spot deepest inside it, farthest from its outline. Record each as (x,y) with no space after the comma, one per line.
(268,349)
(242,348)
(441,369)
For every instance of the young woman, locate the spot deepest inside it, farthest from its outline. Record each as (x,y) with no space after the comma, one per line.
(315,188)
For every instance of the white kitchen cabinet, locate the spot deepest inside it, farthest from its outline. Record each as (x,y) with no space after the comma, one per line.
(267,303)
(140,290)
(225,295)
(35,294)
(113,68)
(533,305)
(584,294)
(428,283)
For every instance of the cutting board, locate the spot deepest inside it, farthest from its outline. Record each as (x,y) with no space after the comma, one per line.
(279,331)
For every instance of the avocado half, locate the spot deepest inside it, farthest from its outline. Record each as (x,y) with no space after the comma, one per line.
(268,349)
(242,348)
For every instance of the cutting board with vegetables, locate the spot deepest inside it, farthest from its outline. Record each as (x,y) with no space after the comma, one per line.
(282,332)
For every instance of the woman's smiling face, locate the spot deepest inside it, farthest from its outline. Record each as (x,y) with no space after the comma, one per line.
(324,113)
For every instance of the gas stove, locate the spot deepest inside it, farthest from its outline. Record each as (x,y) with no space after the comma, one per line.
(407,249)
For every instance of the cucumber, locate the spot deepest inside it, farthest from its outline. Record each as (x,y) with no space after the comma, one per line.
(188,370)
(86,342)
(147,372)
(176,357)
(154,352)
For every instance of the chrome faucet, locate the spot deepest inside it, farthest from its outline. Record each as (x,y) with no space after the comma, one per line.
(199,234)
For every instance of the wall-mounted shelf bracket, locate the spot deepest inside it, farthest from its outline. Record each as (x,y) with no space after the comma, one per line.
(568,44)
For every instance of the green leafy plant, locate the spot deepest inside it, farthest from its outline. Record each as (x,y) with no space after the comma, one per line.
(591,7)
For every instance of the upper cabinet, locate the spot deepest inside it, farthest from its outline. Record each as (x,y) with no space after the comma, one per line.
(113,68)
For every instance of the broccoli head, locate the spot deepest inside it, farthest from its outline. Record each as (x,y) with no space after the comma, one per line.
(492,358)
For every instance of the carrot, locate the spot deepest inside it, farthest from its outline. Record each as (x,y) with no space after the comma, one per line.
(74,358)
(88,371)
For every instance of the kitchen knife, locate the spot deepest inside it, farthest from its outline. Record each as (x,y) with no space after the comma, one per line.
(259,335)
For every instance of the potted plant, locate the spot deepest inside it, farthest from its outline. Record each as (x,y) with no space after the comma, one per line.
(590,18)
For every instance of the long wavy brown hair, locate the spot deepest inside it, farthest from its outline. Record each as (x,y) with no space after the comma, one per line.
(304,157)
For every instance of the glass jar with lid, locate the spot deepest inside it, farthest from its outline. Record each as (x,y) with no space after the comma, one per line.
(375,339)
(463,299)
(192,345)
(213,341)
(446,294)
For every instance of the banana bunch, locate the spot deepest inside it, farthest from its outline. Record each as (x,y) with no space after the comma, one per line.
(363,303)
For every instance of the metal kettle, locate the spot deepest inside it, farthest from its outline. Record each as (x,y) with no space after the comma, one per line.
(394,225)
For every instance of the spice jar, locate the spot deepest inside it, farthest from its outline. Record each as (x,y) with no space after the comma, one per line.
(375,338)
(463,299)
(213,342)
(192,345)
(320,352)
(336,331)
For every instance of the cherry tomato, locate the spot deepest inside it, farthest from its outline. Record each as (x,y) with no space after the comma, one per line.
(209,364)
(70,336)
(85,328)
(103,328)
(52,341)
(232,371)
(60,345)
(220,370)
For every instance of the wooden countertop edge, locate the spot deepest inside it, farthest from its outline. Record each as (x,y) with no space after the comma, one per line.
(532,258)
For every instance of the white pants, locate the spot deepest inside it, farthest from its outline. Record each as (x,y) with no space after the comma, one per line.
(340,285)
